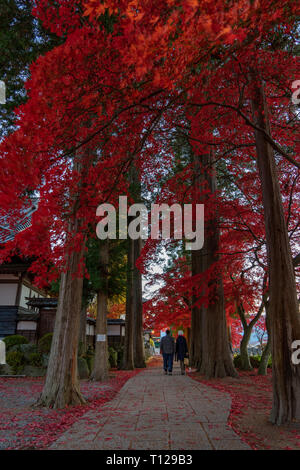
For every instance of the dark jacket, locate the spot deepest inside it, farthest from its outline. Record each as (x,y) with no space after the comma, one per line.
(181,348)
(167,345)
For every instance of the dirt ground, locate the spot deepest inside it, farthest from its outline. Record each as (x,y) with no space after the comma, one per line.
(251,406)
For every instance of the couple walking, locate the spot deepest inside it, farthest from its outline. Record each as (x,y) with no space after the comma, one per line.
(168,348)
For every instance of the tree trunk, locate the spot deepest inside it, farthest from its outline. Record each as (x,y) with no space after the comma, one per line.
(263,366)
(216,356)
(245,360)
(82,330)
(248,328)
(139,352)
(128,360)
(62,385)
(283,308)
(195,352)
(100,371)
(134,355)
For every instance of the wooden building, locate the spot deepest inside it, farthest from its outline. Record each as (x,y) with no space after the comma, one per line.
(115,331)
(30,312)
(15,280)
(45,320)
(25,309)
(16,288)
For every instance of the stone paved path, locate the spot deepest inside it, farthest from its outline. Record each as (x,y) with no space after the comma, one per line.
(157,412)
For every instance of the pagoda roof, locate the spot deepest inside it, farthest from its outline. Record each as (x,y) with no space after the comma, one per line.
(8,231)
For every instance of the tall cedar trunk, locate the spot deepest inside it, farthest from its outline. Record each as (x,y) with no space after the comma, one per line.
(195,340)
(100,371)
(283,305)
(62,385)
(128,360)
(82,330)
(138,341)
(216,357)
(195,351)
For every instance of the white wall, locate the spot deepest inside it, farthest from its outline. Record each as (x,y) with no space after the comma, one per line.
(26,325)
(113,330)
(28,292)
(8,293)
(8,276)
(2,352)
(25,292)
(35,293)
(90,330)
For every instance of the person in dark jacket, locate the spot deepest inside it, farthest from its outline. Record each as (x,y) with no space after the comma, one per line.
(167,349)
(181,350)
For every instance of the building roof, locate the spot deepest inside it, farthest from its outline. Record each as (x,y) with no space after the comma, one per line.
(42,302)
(8,231)
(14,268)
(115,321)
(28,316)
(51,302)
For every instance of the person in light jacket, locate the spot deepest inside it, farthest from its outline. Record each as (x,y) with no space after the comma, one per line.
(152,346)
(167,349)
(181,350)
